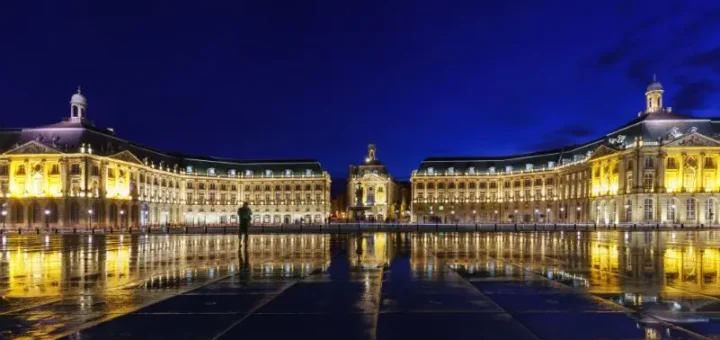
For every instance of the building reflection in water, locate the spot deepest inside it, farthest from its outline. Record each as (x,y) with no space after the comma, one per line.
(631,268)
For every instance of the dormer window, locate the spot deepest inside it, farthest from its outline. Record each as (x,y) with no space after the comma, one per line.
(268,173)
(508,168)
(551,164)
(528,167)
(248,173)
(491,169)
(430,171)
(211,171)
(288,173)
(189,169)
(451,171)
(232,173)
(471,170)
(308,173)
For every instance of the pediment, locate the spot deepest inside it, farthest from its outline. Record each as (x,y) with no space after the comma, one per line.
(601,151)
(126,156)
(32,147)
(694,139)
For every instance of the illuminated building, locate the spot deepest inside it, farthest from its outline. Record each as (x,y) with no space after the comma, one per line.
(661,167)
(74,173)
(381,195)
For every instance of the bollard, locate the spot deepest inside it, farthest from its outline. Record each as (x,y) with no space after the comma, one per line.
(37,230)
(515,226)
(575,226)
(702,226)
(535,227)
(436,227)
(205,228)
(130,230)
(224,230)
(634,226)
(74,230)
(338,228)
(19,231)
(682,225)
(186,229)
(595,226)
(475,226)
(417,227)
(657,226)
(554,226)
(495,226)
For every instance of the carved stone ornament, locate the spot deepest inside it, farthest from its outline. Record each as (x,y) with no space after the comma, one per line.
(694,139)
(126,156)
(32,147)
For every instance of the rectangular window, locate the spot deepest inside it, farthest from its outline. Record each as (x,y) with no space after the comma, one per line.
(648,181)
(549,193)
(690,213)
(3,170)
(538,194)
(671,163)
(74,169)
(649,163)
(55,169)
(709,162)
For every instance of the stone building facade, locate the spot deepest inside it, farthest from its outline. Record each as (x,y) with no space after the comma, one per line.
(382,196)
(75,174)
(661,167)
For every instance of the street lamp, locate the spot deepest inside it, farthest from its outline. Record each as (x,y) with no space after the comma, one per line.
(547,215)
(122,217)
(495,215)
(47,218)
(90,214)
(4,215)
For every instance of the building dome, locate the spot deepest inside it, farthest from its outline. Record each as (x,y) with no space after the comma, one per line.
(78,98)
(654,86)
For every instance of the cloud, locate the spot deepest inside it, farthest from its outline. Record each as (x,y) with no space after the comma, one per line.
(567,135)
(710,58)
(639,71)
(694,95)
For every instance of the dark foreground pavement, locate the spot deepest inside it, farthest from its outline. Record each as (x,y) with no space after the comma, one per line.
(546,285)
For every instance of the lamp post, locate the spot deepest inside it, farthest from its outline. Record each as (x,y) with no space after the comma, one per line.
(537,214)
(515,216)
(47,219)
(122,217)
(562,211)
(495,216)
(474,216)
(4,216)
(452,214)
(90,214)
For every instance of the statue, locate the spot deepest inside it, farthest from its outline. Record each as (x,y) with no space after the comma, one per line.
(359,195)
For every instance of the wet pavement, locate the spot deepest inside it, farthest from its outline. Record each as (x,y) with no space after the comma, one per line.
(375,285)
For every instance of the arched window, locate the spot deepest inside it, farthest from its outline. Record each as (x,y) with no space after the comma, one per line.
(690,209)
(709,211)
(628,210)
(670,209)
(648,211)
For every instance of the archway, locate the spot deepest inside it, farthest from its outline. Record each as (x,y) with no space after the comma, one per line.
(74,213)
(35,213)
(113,214)
(53,210)
(18,215)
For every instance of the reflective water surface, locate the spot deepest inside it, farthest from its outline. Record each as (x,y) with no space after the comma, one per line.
(550,285)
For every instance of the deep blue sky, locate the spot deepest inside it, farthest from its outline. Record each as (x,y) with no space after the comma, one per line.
(296,79)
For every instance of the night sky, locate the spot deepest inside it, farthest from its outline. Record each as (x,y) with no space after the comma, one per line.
(301,79)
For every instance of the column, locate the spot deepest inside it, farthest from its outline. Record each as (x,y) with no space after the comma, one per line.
(660,174)
(700,180)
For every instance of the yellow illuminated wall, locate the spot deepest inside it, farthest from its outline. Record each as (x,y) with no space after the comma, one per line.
(605,177)
(35,178)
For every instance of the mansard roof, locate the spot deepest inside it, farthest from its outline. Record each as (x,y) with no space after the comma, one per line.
(657,127)
(69,136)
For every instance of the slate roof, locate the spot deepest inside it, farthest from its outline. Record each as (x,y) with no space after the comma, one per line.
(658,127)
(68,136)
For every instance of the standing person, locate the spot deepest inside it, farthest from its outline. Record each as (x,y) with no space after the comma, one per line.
(244,215)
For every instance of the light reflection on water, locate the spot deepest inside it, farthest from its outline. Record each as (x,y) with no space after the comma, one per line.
(635,269)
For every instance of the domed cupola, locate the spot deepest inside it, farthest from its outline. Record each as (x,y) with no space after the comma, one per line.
(78,105)
(653,96)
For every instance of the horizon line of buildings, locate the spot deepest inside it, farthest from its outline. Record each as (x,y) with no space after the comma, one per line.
(661,167)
